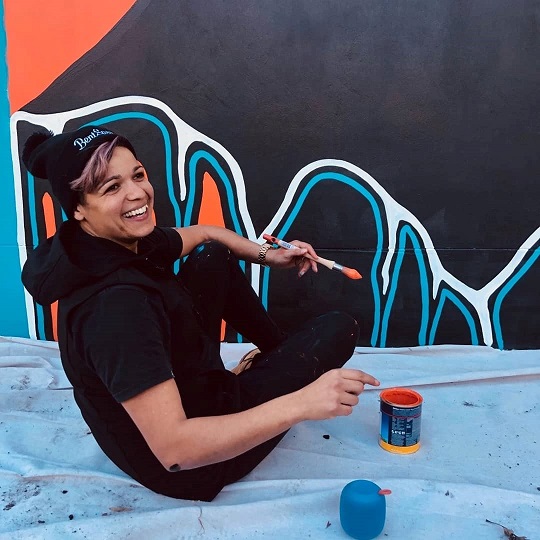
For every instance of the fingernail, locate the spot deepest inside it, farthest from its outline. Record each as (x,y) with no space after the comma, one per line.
(300,274)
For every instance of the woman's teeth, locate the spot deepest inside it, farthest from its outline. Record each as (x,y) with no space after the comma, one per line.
(138,212)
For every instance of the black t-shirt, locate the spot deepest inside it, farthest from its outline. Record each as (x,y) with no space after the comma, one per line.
(137,331)
(125,336)
(123,329)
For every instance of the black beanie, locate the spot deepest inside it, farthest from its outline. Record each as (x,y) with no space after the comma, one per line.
(62,158)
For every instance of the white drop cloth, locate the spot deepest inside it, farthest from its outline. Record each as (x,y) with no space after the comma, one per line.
(479,458)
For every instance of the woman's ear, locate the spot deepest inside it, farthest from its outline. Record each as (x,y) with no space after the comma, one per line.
(78,214)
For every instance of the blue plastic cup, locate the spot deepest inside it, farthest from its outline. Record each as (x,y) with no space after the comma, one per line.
(362,509)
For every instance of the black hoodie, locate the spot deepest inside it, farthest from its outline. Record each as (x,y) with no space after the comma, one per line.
(125,324)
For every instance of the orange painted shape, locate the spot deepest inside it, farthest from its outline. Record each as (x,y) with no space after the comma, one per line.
(54,318)
(50,229)
(45,37)
(223,326)
(210,212)
(48,212)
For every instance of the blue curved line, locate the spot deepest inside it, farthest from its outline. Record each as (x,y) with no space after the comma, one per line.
(168,149)
(378,222)
(504,291)
(424,291)
(424,285)
(32,209)
(461,306)
(264,286)
(35,241)
(203,154)
(192,167)
(40,316)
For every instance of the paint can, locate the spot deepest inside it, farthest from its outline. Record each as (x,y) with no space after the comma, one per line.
(401,410)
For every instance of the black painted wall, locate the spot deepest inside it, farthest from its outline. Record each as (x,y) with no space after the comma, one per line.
(435,99)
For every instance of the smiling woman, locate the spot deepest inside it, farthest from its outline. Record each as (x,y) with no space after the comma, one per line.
(141,345)
(116,201)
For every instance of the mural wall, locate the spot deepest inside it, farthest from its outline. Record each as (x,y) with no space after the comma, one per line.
(400,139)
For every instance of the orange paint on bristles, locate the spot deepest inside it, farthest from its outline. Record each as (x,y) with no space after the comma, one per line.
(351,273)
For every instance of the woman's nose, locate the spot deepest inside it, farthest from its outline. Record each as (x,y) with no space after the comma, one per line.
(136,190)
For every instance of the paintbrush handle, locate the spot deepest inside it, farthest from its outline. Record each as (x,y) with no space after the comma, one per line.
(321,260)
(286,245)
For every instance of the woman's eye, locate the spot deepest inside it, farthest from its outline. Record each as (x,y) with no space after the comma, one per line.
(112,187)
(139,176)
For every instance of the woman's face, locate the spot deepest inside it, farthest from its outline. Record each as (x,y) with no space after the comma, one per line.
(121,208)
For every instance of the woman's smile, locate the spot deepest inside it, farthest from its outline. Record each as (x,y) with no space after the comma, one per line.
(137,213)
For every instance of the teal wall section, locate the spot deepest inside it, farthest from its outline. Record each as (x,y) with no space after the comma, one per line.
(13,320)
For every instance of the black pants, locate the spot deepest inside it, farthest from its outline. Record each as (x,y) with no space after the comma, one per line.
(220,291)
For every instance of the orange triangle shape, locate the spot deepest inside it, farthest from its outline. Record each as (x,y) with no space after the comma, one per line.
(211,210)
(45,38)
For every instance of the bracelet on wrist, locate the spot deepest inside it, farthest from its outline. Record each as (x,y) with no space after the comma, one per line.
(261,258)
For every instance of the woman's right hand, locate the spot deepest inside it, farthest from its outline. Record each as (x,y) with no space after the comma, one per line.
(334,393)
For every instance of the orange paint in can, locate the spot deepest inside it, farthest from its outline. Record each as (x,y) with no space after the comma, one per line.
(401,410)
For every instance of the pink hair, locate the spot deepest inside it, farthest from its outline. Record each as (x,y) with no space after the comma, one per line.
(95,169)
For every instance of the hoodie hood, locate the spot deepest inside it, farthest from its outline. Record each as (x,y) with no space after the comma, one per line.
(62,264)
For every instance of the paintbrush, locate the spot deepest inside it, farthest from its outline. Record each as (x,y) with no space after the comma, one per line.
(333,265)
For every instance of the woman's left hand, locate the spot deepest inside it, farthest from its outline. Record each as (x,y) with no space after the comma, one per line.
(288,258)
